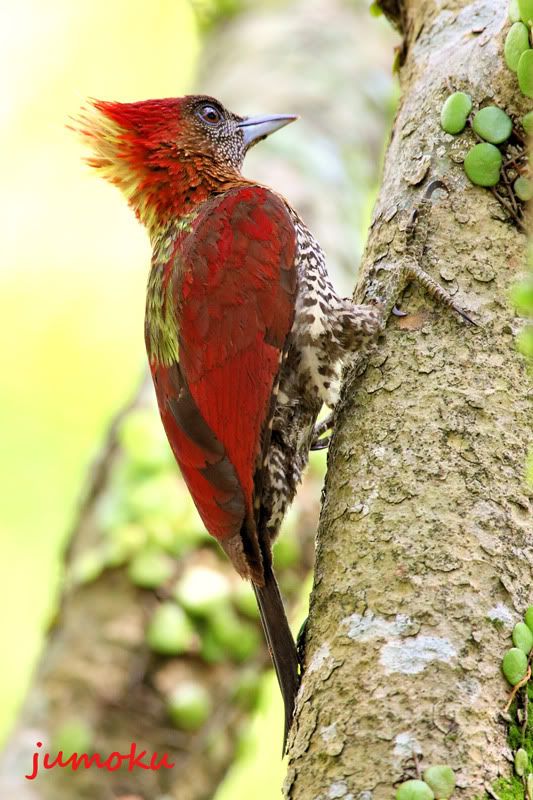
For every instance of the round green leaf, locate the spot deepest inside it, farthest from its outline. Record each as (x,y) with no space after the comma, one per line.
(525,73)
(74,736)
(201,590)
(527,123)
(514,665)
(521,762)
(522,297)
(189,706)
(525,7)
(169,632)
(492,124)
(414,790)
(516,42)
(514,11)
(441,779)
(239,639)
(523,188)
(528,618)
(522,637)
(150,568)
(483,163)
(455,112)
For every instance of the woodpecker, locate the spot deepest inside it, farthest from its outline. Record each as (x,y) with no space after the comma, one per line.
(246,337)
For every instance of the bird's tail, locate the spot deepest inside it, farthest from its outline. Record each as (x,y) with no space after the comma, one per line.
(280,643)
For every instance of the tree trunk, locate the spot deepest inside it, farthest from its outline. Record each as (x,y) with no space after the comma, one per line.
(96,669)
(425,545)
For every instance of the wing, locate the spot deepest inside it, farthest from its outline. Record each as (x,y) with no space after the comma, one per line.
(234,292)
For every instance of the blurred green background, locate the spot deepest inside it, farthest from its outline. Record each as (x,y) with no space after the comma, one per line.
(72,283)
(72,280)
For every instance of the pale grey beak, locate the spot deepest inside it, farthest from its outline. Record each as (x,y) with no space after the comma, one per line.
(256,128)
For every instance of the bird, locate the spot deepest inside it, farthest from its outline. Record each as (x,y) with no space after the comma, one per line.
(245,335)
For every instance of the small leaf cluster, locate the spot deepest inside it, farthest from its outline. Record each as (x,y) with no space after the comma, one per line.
(515,660)
(438,784)
(493,127)
(500,155)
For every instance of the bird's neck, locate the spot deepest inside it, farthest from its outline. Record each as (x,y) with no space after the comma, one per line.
(167,194)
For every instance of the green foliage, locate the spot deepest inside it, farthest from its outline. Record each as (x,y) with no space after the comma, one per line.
(150,568)
(509,788)
(189,706)
(455,111)
(414,790)
(523,188)
(525,8)
(237,638)
(492,124)
(73,736)
(514,11)
(521,762)
(523,637)
(441,780)
(527,123)
(514,665)
(522,297)
(211,12)
(516,43)
(202,590)
(525,73)
(483,164)
(169,631)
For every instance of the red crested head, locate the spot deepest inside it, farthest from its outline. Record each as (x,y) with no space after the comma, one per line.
(168,155)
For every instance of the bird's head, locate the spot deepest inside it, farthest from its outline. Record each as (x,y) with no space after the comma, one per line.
(166,155)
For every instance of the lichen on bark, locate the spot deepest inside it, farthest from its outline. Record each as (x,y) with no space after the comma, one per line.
(426,527)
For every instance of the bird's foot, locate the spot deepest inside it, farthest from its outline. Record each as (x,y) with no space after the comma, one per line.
(320,429)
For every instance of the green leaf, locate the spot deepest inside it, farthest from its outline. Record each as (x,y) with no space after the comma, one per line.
(516,42)
(524,342)
(492,124)
(201,590)
(514,665)
(528,616)
(522,297)
(74,736)
(150,568)
(523,188)
(527,123)
(525,73)
(523,637)
(189,706)
(514,11)
(483,163)
(169,632)
(414,790)
(521,762)
(455,112)
(525,8)
(441,779)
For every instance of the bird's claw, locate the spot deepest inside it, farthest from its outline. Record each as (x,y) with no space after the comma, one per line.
(320,444)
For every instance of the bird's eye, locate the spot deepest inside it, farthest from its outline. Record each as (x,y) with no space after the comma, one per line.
(210,114)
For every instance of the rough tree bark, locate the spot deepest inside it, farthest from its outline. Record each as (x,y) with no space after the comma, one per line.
(96,666)
(425,546)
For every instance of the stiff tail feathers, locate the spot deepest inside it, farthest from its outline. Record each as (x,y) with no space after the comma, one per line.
(280,644)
